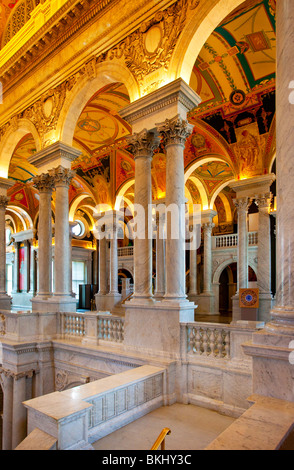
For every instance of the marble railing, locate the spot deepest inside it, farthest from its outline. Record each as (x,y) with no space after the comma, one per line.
(72,325)
(208,339)
(106,327)
(111,328)
(77,417)
(125,251)
(231,240)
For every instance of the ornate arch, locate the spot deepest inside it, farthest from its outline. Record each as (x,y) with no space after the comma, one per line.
(17,130)
(102,74)
(197,30)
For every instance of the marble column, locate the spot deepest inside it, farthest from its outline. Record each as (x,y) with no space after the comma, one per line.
(103,285)
(174,133)
(193,264)
(15,281)
(33,269)
(272,348)
(160,256)
(71,226)
(5,300)
(62,178)
(242,205)
(113,298)
(263,202)
(142,145)
(207,265)
(44,183)
(113,271)
(100,297)
(283,313)
(206,300)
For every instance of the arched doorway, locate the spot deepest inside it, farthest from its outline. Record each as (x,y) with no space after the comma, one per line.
(227,288)
(124,274)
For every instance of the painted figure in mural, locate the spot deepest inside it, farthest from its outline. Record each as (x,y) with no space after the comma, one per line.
(249,151)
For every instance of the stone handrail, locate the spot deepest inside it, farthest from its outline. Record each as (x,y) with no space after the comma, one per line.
(231,240)
(208,339)
(125,251)
(106,327)
(111,328)
(82,415)
(217,340)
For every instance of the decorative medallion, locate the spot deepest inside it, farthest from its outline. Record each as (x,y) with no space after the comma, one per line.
(198,141)
(237,97)
(249,298)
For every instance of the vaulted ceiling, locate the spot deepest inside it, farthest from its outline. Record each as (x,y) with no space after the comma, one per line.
(234,75)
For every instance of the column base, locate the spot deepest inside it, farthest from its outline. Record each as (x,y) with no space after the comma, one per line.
(282,321)
(54,304)
(273,363)
(265,307)
(5,302)
(107,302)
(156,328)
(206,303)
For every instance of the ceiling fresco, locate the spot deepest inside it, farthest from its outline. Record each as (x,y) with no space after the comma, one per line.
(234,126)
(20,169)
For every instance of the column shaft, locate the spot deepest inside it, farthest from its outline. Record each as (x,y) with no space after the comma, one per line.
(102,266)
(207,266)
(175,133)
(242,208)
(62,178)
(143,145)
(3,205)
(44,184)
(113,271)
(160,257)
(264,245)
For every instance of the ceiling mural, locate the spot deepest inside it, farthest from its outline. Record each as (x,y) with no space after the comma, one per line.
(235,77)
(234,125)
(20,169)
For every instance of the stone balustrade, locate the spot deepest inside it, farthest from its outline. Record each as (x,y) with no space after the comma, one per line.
(125,251)
(231,240)
(208,339)
(80,416)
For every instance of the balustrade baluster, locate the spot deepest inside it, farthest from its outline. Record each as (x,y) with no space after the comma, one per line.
(211,342)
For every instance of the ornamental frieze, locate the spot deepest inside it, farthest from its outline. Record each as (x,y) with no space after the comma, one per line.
(151,46)
(145,52)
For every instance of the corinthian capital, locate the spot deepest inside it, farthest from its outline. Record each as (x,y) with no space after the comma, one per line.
(4,200)
(143,143)
(44,183)
(263,201)
(242,204)
(175,131)
(62,176)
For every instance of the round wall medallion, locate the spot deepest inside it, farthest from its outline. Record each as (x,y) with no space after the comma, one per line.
(249,298)
(153,39)
(48,107)
(198,141)
(237,97)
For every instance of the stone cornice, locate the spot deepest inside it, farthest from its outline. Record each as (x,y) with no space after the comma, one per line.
(69,19)
(177,93)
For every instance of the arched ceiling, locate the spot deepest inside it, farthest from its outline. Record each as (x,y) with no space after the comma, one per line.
(6,7)
(233,134)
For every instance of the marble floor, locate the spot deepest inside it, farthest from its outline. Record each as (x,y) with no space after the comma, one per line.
(192,428)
